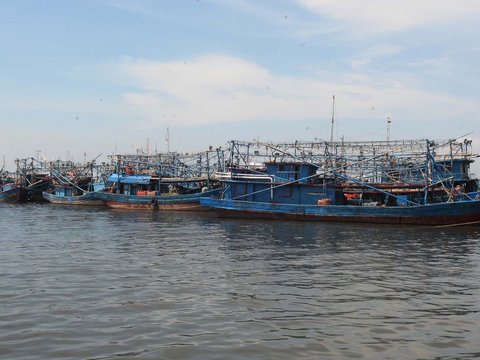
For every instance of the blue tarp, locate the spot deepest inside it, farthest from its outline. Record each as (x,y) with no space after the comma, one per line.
(132,179)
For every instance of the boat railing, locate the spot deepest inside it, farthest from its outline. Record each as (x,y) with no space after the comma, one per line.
(232,175)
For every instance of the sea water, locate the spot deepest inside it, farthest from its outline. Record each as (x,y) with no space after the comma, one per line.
(93,283)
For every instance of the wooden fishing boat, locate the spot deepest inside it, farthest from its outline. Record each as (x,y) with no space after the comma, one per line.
(421,189)
(71,195)
(463,212)
(32,191)
(8,192)
(153,193)
(32,178)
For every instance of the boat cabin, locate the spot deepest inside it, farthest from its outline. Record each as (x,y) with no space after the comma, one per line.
(283,182)
(132,184)
(146,185)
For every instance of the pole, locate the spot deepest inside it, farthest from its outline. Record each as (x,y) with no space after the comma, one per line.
(333,120)
(389,123)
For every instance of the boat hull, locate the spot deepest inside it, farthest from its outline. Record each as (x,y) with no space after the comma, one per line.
(88,199)
(465,212)
(34,192)
(9,193)
(186,202)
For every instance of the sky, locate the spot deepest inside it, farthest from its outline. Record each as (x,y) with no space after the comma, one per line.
(84,78)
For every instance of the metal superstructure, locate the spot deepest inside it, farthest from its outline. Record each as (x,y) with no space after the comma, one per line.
(170,164)
(398,161)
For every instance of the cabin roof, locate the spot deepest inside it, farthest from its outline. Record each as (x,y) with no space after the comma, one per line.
(146,179)
(130,179)
(290,163)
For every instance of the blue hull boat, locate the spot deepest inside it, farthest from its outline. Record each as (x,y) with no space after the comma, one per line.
(151,193)
(463,212)
(153,201)
(8,192)
(411,187)
(87,199)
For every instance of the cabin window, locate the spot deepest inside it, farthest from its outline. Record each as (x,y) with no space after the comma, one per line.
(290,171)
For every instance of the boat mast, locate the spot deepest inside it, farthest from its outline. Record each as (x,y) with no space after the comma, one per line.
(333,120)
(428,170)
(167,139)
(389,124)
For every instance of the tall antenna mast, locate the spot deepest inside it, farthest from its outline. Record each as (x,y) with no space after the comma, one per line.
(389,124)
(333,119)
(167,139)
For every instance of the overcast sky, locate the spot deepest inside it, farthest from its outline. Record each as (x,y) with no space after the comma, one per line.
(99,76)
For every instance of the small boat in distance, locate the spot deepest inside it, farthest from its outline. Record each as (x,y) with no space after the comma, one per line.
(74,184)
(32,178)
(8,192)
(74,195)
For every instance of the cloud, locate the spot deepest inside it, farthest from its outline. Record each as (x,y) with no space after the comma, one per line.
(187,77)
(393,15)
(440,65)
(214,89)
(375,53)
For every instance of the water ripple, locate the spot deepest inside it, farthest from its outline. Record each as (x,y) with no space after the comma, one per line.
(92,283)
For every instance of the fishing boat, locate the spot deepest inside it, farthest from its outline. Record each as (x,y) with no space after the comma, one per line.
(74,184)
(8,192)
(155,193)
(161,181)
(8,188)
(32,178)
(31,191)
(70,194)
(346,184)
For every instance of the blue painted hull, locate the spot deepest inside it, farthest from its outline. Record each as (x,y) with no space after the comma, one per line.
(464,212)
(88,199)
(9,193)
(185,202)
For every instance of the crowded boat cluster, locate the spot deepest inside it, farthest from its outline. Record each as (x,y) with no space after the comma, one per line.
(396,182)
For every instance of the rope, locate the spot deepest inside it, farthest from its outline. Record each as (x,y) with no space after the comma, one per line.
(460,224)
